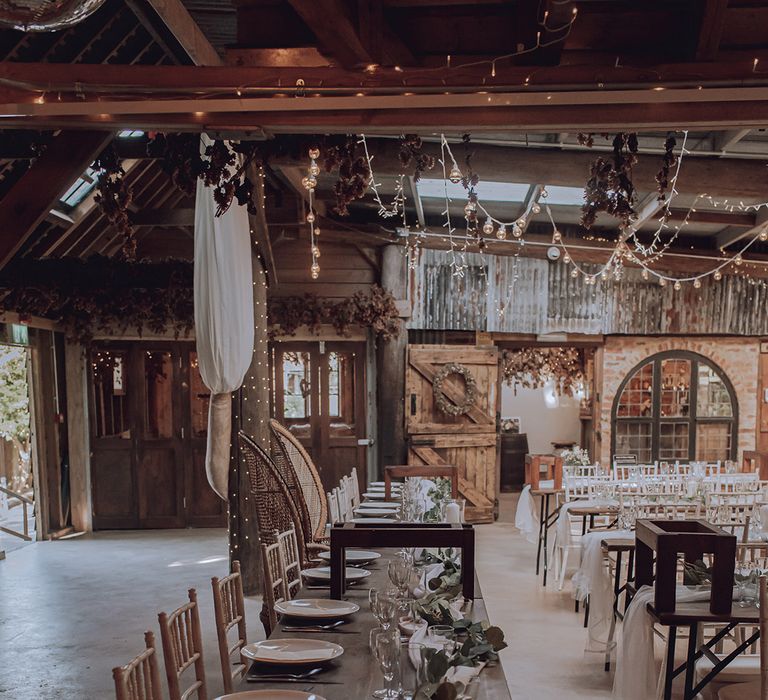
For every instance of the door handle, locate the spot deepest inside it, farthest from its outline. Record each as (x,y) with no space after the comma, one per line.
(413,404)
(365,442)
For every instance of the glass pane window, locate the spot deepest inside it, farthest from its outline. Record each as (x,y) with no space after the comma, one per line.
(713,398)
(713,441)
(634,438)
(675,388)
(110,388)
(296,385)
(637,398)
(673,441)
(199,398)
(158,378)
(334,385)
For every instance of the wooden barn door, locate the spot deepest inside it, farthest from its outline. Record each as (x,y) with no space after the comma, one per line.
(469,440)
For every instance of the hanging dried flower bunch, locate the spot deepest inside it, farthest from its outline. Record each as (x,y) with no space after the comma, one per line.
(411,155)
(535,367)
(375,310)
(354,173)
(668,161)
(114,196)
(181,159)
(609,187)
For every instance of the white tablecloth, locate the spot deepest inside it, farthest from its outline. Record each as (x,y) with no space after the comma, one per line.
(526,516)
(563,524)
(593,580)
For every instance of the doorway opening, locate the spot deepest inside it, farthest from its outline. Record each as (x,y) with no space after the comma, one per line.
(17,487)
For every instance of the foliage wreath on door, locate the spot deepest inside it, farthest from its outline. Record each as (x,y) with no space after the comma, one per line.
(470,393)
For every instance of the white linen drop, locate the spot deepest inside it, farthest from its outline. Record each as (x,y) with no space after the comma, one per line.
(224,323)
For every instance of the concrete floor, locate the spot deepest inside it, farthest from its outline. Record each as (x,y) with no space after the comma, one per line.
(73,609)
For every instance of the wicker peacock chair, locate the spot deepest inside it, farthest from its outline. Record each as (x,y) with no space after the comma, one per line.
(302,478)
(276,510)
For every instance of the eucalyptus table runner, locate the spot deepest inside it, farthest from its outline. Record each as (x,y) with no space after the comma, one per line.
(355,675)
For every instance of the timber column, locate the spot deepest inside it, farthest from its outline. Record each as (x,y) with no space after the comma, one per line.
(391,364)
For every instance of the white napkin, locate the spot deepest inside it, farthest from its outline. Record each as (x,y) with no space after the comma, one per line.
(456,674)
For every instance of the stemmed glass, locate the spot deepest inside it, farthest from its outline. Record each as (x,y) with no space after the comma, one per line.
(384,606)
(400,571)
(747,585)
(385,645)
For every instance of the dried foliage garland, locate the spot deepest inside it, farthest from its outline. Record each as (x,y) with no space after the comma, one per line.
(411,155)
(102,294)
(535,367)
(668,161)
(114,196)
(470,392)
(609,188)
(375,310)
(354,173)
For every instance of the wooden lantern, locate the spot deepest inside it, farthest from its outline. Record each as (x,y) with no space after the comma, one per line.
(693,539)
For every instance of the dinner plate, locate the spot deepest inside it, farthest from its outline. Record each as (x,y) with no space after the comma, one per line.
(368,521)
(323,573)
(271,695)
(317,607)
(374,495)
(381,485)
(389,505)
(354,556)
(373,512)
(292,651)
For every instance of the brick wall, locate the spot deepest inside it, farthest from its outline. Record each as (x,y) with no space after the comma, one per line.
(738,357)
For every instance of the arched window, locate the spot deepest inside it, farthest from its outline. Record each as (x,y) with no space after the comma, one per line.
(675,406)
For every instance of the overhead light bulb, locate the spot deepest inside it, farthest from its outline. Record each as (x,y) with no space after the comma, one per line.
(678,285)
(488,227)
(697,283)
(455,175)
(718,275)
(501,232)
(574,273)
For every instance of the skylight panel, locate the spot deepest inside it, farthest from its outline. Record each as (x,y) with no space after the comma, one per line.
(487,190)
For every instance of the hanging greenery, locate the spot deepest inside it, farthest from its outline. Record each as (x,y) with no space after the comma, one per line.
(102,294)
(412,156)
(535,367)
(375,310)
(668,161)
(609,187)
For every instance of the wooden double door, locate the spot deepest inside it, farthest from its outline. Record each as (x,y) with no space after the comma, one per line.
(149,417)
(469,440)
(319,394)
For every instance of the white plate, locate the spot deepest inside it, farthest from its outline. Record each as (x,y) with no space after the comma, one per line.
(381,485)
(354,556)
(292,651)
(271,695)
(390,505)
(374,495)
(323,573)
(373,512)
(368,521)
(317,607)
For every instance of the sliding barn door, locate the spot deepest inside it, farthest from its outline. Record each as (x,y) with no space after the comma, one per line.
(467,440)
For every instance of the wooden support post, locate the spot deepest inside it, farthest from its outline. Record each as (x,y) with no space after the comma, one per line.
(391,369)
(76,368)
(250,413)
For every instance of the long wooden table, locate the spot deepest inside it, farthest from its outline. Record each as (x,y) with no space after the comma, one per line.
(356,674)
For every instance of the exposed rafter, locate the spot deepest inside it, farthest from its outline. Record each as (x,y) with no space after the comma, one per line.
(40,188)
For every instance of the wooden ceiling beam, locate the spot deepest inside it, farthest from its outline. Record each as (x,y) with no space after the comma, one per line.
(31,199)
(164,218)
(730,237)
(187,32)
(710,29)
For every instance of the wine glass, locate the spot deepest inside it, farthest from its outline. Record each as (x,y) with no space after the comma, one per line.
(385,645)
(384,606)
(400,570)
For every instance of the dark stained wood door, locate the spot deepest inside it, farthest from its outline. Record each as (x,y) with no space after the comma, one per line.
(148,435)
(319,392)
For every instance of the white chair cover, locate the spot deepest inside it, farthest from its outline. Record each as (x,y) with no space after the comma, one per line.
(223,295)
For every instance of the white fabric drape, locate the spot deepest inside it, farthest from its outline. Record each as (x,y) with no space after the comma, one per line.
(223,296)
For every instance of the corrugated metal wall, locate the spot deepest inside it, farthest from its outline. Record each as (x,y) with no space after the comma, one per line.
(525,295)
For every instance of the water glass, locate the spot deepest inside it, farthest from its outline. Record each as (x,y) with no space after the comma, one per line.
(385,645)
(746,582)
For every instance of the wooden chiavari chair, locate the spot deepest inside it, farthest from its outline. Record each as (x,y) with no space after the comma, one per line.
(229,613)
(139,679)
(182,648)
(289,550)
(274,584)
(333,507)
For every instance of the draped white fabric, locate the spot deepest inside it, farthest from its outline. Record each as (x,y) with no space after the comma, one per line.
(223,295)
